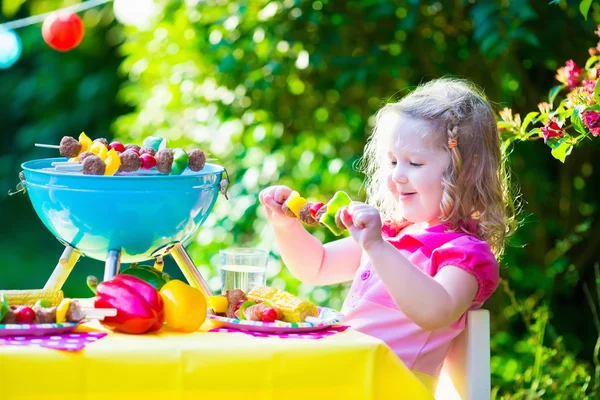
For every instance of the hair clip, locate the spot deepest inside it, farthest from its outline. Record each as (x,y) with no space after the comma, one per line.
(452,143)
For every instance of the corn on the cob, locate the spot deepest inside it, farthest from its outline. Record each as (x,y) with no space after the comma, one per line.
(293,308)
(29,297)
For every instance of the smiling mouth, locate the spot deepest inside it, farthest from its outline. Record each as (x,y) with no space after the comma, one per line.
(406,196)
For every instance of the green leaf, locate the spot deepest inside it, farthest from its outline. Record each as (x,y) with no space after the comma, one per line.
(595,107)
(505,125)
(576,120)
(531,133)
(597,93)
(543,118)
(528,120)
(584,7)
(554,92)
(590,62)
(11,7)
(506,144)
(561,151)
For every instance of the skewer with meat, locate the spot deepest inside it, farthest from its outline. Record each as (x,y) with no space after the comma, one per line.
(67,311)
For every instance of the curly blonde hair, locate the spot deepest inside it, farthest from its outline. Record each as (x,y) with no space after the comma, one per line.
(476,184)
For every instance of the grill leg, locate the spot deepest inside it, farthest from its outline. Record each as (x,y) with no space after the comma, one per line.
(113,263)
(189,270)
(63,269)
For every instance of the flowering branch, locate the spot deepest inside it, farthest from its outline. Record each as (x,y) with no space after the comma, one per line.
(575,118)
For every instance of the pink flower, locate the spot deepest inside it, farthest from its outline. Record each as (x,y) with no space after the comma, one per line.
(591,119)
(551,130)
(570,74)
(589,85)
(587,90)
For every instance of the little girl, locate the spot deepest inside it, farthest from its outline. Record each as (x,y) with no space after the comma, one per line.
(423,249)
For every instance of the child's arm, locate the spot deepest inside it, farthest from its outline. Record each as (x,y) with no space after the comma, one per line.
(305,256)
(431,303)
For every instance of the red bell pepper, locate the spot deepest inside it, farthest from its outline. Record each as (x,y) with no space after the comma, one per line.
(140,308)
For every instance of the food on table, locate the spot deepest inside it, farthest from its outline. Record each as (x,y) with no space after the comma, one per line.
(93,165)
(140,308)
(43,312)
(4,308)
(25,315)
(98,149)
(148,274)
(148,150)
(219,304)
(113,162)
(69,147)
(148,161)
(44,303)
(164,160)
(236,298)
(132,146)
(130,161)
(45,315)
(103,141)
(293,308)
(69,311)
(180,161)
(264,312)
(117,146)
(154,142)
(31,296)
(264,304)
(197,160)
(84,155)
(153,153)
(185,306)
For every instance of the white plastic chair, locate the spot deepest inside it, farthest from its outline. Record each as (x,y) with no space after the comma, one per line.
(466,371)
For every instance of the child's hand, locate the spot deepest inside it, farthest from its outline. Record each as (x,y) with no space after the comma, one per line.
(272,198)
(364,224)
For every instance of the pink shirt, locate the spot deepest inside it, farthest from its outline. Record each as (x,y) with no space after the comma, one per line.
(370,309)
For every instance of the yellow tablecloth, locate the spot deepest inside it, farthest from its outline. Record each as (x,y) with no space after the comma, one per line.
(347,365)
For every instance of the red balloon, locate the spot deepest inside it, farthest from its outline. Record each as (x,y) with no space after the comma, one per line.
(63,31)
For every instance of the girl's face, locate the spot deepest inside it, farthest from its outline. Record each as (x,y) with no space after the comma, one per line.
(414,167)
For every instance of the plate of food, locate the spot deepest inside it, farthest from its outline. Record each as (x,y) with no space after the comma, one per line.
(43,318)
(267,309)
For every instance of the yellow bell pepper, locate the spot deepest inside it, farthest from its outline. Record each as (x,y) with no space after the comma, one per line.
(99,149)
(85,142)
(219,304)
(113,162)
(295,202)
(185,306)
(61,311)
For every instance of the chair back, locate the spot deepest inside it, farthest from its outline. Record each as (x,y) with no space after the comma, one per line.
(466,373)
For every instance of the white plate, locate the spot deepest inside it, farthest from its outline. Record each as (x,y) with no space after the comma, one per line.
(328,316)
(36,329)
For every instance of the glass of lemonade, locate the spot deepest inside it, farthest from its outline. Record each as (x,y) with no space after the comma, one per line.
(243,268)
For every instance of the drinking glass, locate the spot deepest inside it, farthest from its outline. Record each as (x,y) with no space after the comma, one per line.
(243,268)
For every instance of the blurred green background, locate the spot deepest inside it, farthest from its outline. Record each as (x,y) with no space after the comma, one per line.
(284,92)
